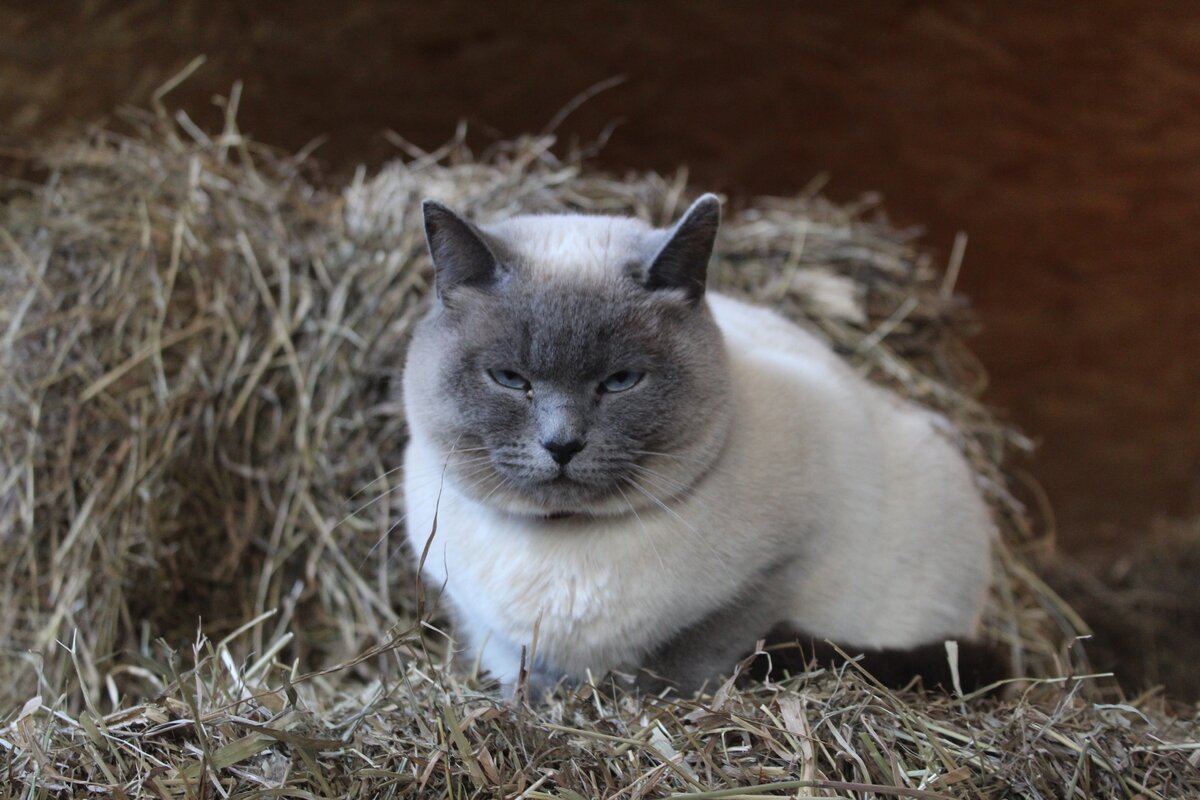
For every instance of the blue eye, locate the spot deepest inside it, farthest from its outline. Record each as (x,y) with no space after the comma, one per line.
(620,381)
(509,379)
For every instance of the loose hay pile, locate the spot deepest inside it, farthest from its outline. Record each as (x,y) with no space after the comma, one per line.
(204,593)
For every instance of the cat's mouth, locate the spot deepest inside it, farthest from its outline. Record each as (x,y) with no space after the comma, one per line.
(559,496)
(560,493)
(565,486)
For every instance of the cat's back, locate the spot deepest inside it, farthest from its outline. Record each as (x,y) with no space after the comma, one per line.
(791,377)
(892,484)
(748,327)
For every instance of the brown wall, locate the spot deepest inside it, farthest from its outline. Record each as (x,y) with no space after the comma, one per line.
(1064,140)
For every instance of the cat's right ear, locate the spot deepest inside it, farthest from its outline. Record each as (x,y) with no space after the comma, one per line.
(681,263)
(460,256)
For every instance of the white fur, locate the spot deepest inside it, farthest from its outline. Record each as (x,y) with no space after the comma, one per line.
(889,537)
(582,246)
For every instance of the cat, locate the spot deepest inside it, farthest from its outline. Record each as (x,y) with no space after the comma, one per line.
(613,468)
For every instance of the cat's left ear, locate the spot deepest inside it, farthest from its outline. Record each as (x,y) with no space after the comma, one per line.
(682,263)
(460,255)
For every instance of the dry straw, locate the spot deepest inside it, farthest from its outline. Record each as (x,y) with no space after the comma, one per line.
(204,594)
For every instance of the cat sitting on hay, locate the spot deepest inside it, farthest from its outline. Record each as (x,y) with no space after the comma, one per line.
(611,468)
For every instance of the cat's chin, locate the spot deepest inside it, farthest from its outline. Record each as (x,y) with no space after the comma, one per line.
(560,502)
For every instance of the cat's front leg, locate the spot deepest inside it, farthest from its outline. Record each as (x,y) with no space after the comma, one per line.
(503,660)
(491,651)
(704,652)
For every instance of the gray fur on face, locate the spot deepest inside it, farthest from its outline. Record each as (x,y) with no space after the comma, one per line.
(626,303)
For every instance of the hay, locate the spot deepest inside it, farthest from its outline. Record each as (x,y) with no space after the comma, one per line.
(204,593)
(1143,606)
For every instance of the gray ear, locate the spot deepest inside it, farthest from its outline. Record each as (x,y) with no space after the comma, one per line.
(682,262)
(460,256)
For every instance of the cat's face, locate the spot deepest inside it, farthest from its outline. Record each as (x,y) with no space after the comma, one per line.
(555,389)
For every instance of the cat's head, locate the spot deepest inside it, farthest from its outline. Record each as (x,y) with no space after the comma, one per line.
(569,363)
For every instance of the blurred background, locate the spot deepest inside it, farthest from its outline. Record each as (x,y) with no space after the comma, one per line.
(1063,139)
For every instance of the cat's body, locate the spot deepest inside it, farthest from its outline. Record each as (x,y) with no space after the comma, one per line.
(794,492)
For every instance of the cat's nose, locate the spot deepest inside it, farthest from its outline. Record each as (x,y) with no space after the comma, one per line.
(563,450)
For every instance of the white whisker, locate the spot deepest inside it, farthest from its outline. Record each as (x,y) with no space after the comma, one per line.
(633,482)
(676,488)
(642,522)
(393,489)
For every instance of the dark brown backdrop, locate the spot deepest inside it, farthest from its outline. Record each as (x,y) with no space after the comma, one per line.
(1064,138)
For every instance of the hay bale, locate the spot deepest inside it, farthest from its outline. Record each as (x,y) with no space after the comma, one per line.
(202,581)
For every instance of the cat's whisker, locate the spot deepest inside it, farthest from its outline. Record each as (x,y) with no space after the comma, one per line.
(465,462)
(504,481)
(706,464)
(692,498)
(383,538)
(400,520)
(386,534)
(677,456)
(392,490)
(681,491)
(469,462)
(431,480)
(642,522)
(484,479)
(372,482)
(438,470)
(366,505)
(696,533)
(638,452)
(678,489)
